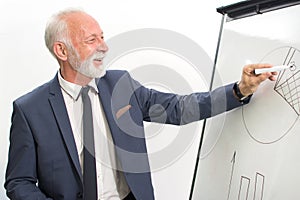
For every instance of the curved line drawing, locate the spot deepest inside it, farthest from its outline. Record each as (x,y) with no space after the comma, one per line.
(270,142)
(287,86)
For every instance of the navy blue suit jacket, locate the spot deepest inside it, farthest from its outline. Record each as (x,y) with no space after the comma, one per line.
(43,161)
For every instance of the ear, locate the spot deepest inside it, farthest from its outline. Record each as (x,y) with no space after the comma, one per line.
(60,51)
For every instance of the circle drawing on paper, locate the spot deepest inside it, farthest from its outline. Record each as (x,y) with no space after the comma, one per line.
(275,109)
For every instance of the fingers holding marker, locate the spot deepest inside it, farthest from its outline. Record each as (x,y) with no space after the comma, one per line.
(270,72)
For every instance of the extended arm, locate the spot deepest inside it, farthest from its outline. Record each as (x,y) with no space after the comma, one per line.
(182,109)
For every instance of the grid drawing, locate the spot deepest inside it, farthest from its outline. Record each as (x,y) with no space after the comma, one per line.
(288,81)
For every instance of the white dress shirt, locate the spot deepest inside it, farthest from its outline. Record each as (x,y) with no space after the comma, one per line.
(111,183)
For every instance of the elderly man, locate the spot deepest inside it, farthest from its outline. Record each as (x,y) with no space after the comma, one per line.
(55,138)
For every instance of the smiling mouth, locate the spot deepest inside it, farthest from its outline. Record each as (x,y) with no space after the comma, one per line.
(98,58)
(97,62)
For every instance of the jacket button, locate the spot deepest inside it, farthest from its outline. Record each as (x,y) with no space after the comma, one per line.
(79,195)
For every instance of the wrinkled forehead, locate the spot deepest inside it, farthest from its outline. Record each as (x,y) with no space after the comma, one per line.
(81,25)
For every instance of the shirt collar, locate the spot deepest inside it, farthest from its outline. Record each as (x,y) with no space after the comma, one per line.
(72,89)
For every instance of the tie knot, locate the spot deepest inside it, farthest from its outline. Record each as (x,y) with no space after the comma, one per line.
(85,91)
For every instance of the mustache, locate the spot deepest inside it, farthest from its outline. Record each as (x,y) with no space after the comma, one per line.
(98,56)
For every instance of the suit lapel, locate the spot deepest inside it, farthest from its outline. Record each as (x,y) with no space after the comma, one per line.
(110,106)
(115,105)
(105,97)
(62,118)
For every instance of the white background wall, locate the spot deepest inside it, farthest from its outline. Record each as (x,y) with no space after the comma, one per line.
(25,62)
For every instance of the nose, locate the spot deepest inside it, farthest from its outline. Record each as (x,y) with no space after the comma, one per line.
(102,46)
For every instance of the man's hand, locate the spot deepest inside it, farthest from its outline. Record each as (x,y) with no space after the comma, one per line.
(250,81)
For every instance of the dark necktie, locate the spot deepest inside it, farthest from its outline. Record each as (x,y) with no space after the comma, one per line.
(89,163)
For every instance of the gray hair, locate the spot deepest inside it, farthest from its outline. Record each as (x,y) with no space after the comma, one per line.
(57,30)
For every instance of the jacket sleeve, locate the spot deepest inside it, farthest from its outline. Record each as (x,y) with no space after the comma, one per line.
(21,174)
(182,109)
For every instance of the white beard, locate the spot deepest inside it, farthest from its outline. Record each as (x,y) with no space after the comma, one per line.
(87,67)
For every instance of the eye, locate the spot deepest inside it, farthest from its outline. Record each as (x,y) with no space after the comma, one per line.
(91,40)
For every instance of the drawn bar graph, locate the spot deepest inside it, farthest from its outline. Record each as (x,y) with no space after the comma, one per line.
(259,186)
(244,188)
(244,193)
